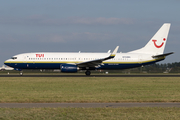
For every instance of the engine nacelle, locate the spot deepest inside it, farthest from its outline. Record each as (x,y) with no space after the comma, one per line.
(69,68)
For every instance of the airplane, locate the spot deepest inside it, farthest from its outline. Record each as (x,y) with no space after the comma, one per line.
(6,68)
(69,62)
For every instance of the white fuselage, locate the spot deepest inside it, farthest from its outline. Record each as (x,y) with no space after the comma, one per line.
(47,60)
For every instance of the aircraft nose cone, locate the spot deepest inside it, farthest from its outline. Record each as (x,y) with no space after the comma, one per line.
(6,62)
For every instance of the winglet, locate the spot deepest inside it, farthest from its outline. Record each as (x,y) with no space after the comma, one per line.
(114,52)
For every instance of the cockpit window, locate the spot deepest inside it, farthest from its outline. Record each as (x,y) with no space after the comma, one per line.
(13,58)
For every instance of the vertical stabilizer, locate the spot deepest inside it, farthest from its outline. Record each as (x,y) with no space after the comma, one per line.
(157,43)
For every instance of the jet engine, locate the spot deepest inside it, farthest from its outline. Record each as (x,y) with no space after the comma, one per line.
(69,68)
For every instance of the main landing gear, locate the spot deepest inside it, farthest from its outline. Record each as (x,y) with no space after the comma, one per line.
(88,73)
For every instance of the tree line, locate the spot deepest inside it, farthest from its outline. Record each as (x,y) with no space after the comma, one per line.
(159,68)
(153,68)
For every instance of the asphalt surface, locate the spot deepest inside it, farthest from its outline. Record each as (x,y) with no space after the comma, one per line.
(85,105)
(162,75)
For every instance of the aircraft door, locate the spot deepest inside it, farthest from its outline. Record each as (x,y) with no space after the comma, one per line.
(24,59)
(140,59)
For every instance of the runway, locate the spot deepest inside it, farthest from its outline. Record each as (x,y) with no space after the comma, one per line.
(151,75)
(85,105)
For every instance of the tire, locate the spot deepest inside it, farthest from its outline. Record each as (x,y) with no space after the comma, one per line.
(88,73)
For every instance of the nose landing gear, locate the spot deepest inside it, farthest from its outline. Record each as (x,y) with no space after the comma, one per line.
(21,73)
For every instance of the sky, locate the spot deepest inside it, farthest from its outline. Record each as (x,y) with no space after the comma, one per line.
(86,25)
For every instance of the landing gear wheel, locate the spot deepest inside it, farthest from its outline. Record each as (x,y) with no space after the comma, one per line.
(21,73)
(88,73)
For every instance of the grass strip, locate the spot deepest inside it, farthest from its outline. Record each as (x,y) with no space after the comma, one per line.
(90,113)
(89,89)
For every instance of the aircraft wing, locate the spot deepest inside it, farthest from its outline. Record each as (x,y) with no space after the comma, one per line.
(94,63)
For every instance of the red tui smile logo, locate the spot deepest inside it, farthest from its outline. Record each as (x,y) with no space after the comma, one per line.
(158,46)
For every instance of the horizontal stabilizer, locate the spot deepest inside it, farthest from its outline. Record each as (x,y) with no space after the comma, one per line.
(163,55)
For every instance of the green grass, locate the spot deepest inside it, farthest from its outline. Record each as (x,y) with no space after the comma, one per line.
(89,89)
(90,113)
